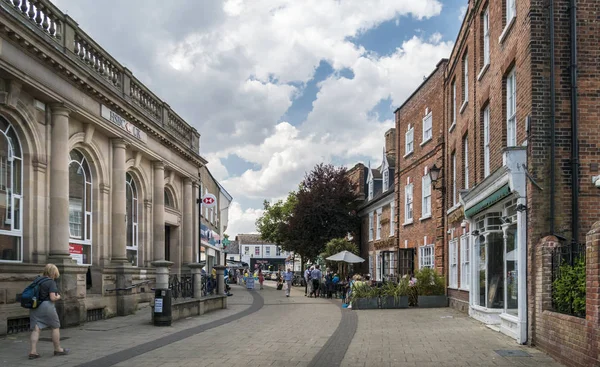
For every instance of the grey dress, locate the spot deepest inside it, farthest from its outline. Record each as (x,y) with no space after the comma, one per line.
(45,314)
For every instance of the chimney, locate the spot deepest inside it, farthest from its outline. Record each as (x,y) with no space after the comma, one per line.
(390,142)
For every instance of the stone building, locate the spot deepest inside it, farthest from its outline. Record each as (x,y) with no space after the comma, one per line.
(377,235)
(97,174)
(521,153)
(420,138)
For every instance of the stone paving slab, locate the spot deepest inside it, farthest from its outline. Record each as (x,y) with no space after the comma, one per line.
(101,338)
(432,337)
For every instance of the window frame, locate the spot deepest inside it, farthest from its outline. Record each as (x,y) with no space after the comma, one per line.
(386,179)
(392,219)
(371,189)
(408,203)
(511,10)
(511,108)
(453,263)
(378,233)
(425,194)
(486,141)
(427,252)
(371,217)
(486,37)
(131,185)
(427,128)
(466,162)
(465,78)
(267,251)
(246,250)
(88,219)
(409,143)
(454,184)
(465,263)
(453,105)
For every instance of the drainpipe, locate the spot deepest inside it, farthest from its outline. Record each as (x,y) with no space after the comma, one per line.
(574,128)
(552,121)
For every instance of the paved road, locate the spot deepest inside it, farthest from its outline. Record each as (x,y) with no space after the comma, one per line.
(264,328)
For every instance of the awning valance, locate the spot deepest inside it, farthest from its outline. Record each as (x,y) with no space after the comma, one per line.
(492,199)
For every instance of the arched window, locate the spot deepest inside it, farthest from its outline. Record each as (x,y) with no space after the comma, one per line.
(132,220)
(11,190)
(169,202)
(80,208)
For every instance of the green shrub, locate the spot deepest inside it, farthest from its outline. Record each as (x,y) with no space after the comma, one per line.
(365,291)
(568,290)
(430,283)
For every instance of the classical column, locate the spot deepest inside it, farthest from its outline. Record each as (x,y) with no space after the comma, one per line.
(196,223)
(188,219)
(119,199)
(158,212)
(59,184)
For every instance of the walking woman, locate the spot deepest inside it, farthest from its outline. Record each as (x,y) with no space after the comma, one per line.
(45,314)
(261,278)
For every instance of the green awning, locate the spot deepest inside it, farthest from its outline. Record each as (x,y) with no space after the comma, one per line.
(495,197)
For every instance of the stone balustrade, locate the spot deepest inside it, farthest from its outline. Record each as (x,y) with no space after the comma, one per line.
(62,32)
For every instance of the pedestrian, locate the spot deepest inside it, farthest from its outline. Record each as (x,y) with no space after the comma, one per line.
(288,277)
(45,314)
(306,280)
(316,276)
(329,283)
(261,278)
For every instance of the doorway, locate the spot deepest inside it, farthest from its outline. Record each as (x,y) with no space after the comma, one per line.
(168,243)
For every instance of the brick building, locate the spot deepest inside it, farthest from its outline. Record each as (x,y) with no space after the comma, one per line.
(420,140)
(519,132)
(377,235)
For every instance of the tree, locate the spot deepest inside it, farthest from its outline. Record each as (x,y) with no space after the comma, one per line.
(325,209)
(273,225)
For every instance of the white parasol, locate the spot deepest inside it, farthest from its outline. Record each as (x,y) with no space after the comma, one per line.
(346,256)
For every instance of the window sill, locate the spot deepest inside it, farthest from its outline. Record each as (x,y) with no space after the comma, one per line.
(425,217)
(425,141)
(452,127)
(507,29)
(456,206)
(455,288)
(408,154)
(464,289)
(483,71)
(408,223)
(464,106)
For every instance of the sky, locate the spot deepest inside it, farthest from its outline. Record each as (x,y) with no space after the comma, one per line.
(276,86)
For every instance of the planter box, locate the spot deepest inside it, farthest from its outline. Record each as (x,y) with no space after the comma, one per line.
(365,303)
(393,302)
(433,301)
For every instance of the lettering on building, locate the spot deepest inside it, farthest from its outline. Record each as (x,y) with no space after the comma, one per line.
(123,124)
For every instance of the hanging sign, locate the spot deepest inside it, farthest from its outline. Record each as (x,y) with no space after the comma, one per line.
(209,200)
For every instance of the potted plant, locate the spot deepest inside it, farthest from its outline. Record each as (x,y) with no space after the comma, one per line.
(364,297)
(431,289)
(395,295)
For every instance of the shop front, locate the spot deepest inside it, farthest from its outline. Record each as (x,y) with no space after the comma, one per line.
(495,213)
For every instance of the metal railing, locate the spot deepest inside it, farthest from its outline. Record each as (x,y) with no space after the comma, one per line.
(181,286)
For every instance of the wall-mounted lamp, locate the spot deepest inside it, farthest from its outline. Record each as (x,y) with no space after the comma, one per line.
(596,181)
(521,207)
(434,174)
(475,233)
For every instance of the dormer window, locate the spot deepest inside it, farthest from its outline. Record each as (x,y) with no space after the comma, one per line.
(386,180)
(370,189)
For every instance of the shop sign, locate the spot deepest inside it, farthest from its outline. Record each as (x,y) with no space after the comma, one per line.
(122,123)
(209,200)
(76,252)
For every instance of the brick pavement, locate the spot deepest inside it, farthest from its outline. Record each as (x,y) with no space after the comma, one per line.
(280,331)
(432,337)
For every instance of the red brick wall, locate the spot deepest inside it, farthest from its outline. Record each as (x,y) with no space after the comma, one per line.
(571,340)
(427,98)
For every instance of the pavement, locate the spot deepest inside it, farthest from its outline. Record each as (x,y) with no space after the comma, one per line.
(265,328)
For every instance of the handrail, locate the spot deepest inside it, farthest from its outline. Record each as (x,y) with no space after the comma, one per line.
(130,287)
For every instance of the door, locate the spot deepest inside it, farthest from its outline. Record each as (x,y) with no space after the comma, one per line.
(406,261)
(168,243)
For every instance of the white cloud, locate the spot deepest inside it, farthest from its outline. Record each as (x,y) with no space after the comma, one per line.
(462,12)
(242,221)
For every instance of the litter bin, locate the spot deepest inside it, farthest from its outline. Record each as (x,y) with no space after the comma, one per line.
(162,307)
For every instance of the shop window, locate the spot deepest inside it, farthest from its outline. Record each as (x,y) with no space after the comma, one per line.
(465,270)
(453,264)
(256,250)
(277,251)
(490,258)
(80,208)
(426,257)
(370,264)
(132,207)
(389,266)
(11,189)
(268,250)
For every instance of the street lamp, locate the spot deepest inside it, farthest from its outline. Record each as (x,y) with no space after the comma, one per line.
(434,174)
